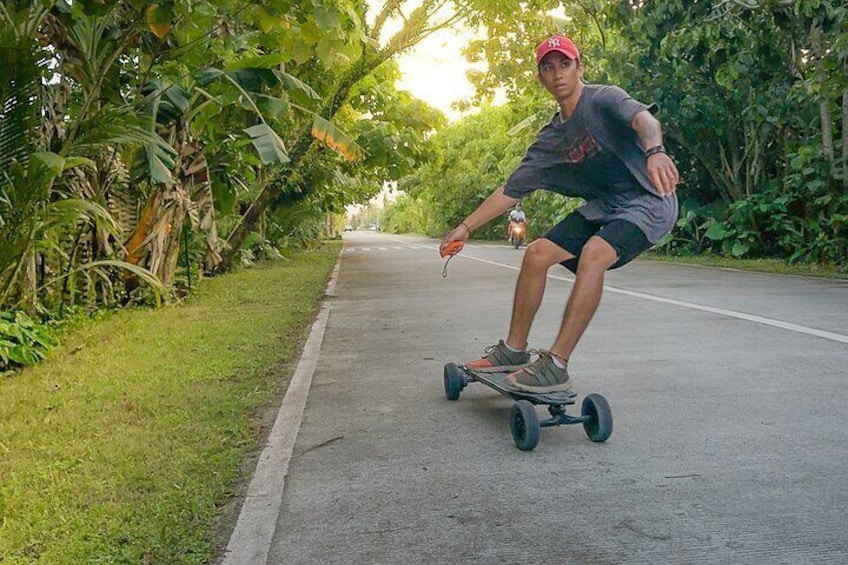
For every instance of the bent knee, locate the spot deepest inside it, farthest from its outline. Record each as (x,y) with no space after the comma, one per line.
(545,253)
(598,253)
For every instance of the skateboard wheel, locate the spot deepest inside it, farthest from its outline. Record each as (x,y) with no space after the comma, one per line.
(454,381)
(524,424)
(598,422)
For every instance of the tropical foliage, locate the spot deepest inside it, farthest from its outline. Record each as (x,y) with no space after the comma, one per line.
(757,97)
(144,144)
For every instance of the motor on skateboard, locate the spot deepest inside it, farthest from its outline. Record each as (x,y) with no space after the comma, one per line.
(524,422)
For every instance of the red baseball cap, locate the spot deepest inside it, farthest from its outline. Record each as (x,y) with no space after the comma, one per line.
(559,43)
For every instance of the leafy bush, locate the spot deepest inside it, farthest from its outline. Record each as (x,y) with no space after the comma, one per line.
(22,341)
(802,222)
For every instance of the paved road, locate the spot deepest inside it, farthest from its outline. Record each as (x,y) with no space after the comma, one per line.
(729,392)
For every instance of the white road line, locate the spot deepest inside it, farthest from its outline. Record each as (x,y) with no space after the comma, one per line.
(733,314)
(841,338)
(396,247)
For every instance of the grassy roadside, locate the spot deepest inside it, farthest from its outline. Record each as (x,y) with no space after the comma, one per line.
(773,266)
(123,446)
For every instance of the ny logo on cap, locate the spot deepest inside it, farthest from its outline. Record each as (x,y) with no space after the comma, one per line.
(553,42)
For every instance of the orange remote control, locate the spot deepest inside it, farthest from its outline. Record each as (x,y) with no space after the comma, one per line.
(452,249)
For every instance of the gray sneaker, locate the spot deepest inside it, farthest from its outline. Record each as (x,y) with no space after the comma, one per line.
(499,359)
(541,376)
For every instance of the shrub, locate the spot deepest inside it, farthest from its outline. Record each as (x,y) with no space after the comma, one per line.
(22,341)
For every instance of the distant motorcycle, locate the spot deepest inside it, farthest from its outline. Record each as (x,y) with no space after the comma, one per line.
(517,233)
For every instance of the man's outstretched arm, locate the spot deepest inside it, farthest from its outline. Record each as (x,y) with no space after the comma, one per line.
(661,169)
(493,206)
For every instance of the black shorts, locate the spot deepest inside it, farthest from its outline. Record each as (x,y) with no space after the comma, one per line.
(574,231)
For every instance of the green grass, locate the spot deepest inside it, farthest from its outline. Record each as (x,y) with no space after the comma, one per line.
(775,266)
(125,443)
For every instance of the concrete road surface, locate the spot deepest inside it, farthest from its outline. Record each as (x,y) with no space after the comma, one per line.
(729,392)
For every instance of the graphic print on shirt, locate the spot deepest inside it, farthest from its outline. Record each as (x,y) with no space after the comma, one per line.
(580,147)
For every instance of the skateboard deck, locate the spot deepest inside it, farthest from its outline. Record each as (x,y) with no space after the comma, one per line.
(497,381)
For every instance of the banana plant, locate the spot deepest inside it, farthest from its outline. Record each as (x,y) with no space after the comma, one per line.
(37,224)
(256,79)
(253,90)
(40,210)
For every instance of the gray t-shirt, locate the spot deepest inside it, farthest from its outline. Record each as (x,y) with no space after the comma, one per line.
(595,155)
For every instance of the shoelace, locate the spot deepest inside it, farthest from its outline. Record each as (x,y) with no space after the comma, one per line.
(543,354)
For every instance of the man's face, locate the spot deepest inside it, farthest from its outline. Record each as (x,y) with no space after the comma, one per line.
(560,75)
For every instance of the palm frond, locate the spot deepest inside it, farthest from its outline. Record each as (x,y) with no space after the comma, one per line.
(143,274)
(21,65)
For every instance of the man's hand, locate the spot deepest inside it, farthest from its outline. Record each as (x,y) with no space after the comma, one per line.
(460,233)
(663,173)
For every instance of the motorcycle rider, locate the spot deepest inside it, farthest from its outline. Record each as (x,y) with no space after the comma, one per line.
(516,216)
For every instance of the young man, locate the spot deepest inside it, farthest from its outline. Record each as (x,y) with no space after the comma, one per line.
(603,146)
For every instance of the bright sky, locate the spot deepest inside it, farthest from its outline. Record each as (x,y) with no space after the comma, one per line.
(434,70)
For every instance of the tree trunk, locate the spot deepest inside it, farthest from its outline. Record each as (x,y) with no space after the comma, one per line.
(197,186)
(821,77)
(156,242)
(270,192)
(732,160)
(31,284)
(845,134)
(170,253)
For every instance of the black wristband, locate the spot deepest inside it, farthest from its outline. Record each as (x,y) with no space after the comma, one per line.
(654,150)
